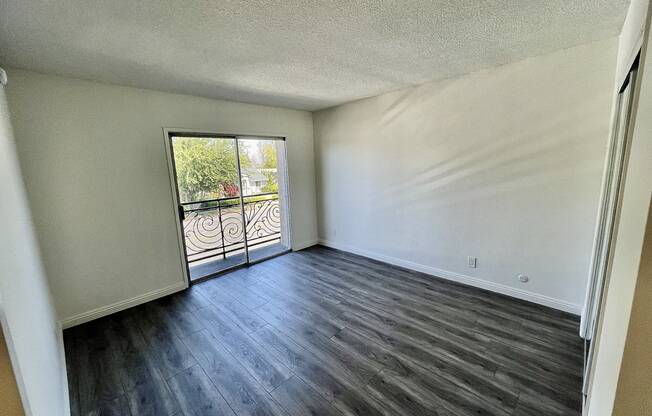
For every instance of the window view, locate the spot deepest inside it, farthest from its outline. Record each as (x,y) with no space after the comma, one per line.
(210,174)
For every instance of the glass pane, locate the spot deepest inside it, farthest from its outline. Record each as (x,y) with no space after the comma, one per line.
(262,162)
(209,192)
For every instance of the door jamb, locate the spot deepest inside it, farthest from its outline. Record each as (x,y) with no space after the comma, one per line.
(172,172)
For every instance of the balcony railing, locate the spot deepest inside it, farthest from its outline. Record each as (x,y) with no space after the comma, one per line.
(214,227)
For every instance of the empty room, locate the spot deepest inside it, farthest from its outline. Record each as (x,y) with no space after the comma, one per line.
(346,208)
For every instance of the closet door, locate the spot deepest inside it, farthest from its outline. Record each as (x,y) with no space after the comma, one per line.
(604,239)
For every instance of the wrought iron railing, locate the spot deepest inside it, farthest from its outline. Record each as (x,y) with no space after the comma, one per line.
(214,227)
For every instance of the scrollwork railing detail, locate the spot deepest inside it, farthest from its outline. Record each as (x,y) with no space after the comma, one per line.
(217,229)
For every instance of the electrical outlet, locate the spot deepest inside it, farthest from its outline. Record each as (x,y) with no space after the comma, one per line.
(472,262)
(523,278)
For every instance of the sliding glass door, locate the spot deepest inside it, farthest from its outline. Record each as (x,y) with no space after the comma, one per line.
(232,200)
(263,190)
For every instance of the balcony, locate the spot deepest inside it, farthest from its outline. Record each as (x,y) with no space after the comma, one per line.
(214,234)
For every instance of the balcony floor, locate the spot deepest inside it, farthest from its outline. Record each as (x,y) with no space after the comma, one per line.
(218,264)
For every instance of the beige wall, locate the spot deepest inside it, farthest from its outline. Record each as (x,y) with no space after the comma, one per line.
(634,394)
(10,403)
(503,165)
(94,163)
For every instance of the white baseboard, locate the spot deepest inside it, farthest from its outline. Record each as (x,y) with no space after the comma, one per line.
(122,305)
(460,278)
(304,244)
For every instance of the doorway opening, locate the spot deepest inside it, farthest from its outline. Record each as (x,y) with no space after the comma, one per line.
(232,200)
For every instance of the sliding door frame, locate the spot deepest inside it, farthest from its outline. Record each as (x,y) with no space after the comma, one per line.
(168,134)
(608,218)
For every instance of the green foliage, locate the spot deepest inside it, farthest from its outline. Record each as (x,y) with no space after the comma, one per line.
(206,168)
(245,160)
(269,156)
(271,185)
(268,151)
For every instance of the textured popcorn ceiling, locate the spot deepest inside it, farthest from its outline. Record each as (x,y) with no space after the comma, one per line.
(302,53)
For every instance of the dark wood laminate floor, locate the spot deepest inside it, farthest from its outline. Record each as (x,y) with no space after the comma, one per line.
(323,332)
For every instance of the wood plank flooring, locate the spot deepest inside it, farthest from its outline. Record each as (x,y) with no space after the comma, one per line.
(324,332)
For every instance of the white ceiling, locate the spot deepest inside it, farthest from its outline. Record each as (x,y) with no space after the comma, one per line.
(305,54)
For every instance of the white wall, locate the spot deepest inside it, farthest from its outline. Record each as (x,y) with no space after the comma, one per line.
(93,158)
(26,311)
(630,231)
(503,165)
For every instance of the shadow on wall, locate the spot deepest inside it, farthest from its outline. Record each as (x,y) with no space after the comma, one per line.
(505,150)
(502,164)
